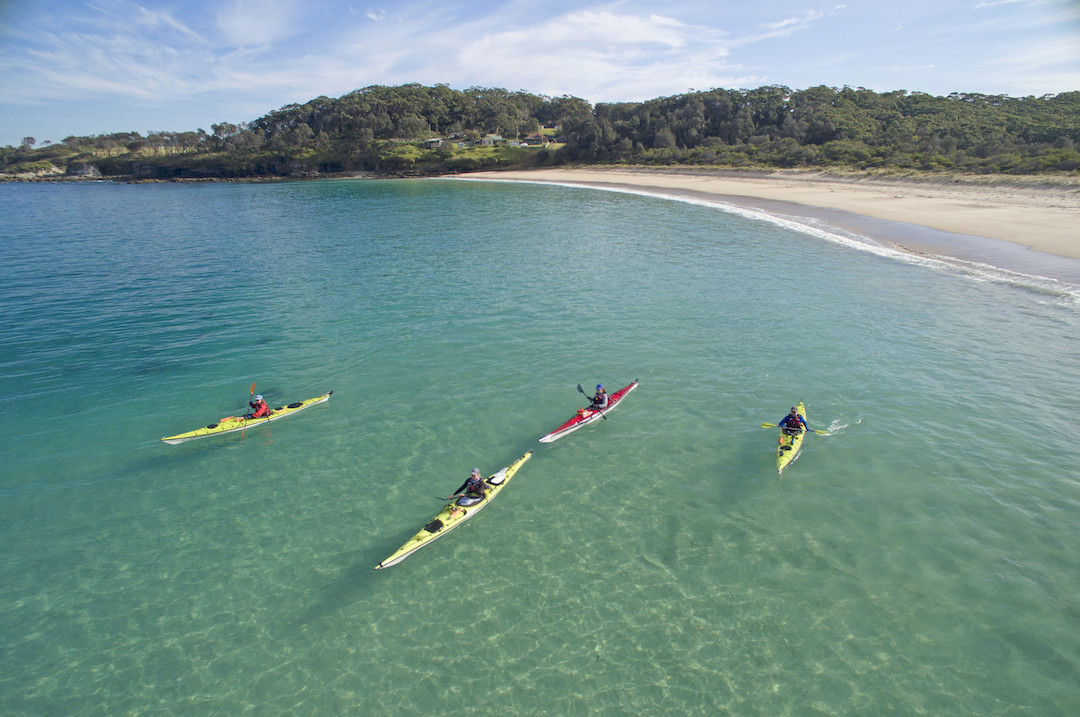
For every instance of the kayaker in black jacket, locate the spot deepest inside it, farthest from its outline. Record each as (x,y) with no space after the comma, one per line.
(473,487)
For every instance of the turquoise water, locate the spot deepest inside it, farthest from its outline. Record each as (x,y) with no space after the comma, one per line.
(920,559)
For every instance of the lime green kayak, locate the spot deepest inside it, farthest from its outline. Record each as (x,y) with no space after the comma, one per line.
(787,449)
(231,424)
(454,515)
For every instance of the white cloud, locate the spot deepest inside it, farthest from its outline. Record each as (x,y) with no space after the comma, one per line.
(579,35)
(1060,53)
(257,23)
(235,55)
(797,21)
(84,64)
(600,55)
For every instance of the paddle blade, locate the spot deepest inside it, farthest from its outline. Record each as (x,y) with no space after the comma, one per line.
(252,391)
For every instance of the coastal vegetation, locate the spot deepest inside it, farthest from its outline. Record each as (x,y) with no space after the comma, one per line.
(420,130)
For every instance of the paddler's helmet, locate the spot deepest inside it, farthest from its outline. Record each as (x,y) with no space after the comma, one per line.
(475,472)
(256,400)
(599,386)
(794,411)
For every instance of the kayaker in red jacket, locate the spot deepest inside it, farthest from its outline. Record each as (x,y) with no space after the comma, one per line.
(259,409)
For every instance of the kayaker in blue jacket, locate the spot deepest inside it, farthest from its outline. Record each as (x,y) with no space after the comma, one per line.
(793,423)
(600,400)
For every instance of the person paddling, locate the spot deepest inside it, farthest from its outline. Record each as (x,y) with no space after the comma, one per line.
(472,489)
(793,423)
(259,409)
(600,400)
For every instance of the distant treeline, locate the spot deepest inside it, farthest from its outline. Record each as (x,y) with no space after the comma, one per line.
(414,129)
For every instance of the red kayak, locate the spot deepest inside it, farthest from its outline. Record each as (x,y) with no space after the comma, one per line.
(586,416)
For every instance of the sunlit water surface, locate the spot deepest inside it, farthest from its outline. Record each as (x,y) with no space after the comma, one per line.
(920,559)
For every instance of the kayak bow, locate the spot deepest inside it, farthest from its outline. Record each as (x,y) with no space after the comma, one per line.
(454,515)
(232,424)
(586,416)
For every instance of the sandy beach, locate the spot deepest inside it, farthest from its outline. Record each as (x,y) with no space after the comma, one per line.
(1042,214)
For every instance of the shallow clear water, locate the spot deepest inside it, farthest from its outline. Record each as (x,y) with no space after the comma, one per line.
(920,559)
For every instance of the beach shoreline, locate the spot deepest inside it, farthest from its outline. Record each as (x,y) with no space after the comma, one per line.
(1026,223)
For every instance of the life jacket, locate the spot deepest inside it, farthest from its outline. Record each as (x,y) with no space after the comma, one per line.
(475,487)
(601,399)
(260,411)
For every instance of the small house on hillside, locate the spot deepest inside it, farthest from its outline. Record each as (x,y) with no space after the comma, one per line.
(491,140)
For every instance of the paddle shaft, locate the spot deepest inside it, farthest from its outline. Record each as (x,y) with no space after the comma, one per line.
(251,394)
(811,430)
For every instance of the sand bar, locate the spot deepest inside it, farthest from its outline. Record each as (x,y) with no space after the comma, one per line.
(1042,214)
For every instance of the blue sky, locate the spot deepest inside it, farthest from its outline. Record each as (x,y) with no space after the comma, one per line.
(91,67)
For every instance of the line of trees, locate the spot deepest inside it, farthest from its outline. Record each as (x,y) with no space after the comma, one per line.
(383,129)
(822,126)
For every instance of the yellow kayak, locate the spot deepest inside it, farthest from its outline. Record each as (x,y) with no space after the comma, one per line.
(454,515)
(231,424)
(788,447)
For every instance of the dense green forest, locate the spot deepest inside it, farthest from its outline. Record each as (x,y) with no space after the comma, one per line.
(416,130)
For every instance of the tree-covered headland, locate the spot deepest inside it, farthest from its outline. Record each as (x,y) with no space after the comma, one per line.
(418,130)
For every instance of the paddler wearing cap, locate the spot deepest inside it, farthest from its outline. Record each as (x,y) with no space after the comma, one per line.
(793,423)
(259,409)
(473,487)
(600,399)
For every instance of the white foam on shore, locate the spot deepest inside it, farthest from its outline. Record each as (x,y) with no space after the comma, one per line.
(1052,291)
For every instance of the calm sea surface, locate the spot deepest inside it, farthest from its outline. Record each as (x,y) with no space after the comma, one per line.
(920,559)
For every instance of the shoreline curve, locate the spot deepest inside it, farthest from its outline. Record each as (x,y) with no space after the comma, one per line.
(1021,224)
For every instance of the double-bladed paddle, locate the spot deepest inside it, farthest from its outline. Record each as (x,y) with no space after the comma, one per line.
(812,430)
